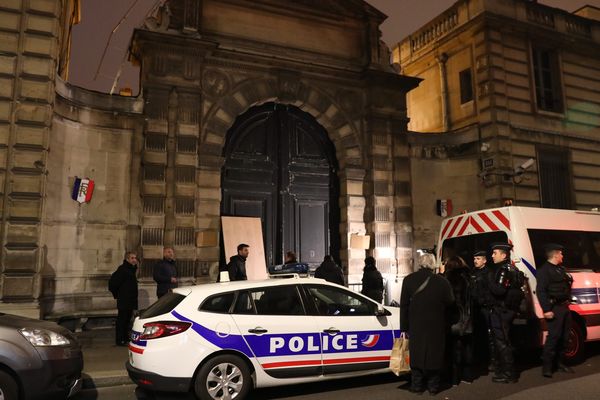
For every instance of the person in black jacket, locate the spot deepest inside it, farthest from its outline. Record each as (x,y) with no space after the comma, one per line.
(554,295)
(461,319)
(372,282)
(237,264)
(502,281)
(483,341)
(424,300)
(165,273)
(329,271)
(290,258)
(124,287)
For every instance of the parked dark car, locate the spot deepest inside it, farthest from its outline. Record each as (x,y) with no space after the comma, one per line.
(38,359)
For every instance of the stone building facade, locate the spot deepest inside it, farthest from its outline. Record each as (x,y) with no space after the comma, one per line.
(208,69)
(31,37)
(503,82)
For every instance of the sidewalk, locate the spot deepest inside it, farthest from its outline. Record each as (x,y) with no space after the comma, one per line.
(103,362)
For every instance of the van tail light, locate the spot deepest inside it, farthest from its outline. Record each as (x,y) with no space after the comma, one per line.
(159,329)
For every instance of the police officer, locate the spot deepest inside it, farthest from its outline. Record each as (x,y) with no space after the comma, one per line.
(502,278)
(554,295)
(484,342)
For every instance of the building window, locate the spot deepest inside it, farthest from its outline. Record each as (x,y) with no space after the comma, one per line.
(546,73)
(466,86)
(555,177)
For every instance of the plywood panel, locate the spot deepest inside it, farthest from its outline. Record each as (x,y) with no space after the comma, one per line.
(247,230)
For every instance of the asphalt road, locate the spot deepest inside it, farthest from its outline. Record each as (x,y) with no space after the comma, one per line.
(582,385)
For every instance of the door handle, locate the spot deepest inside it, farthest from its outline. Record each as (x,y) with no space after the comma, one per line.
(258,330)
(331,331)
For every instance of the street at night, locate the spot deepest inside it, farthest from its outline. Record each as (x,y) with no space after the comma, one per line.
(531,386)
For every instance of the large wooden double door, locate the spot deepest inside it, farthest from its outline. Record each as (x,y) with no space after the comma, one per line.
(280,166)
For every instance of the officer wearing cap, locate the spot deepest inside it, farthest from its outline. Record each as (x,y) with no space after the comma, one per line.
(501,278)
(484,342)
(554,295)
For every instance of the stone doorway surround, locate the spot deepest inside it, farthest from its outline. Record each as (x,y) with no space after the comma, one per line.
(197,79)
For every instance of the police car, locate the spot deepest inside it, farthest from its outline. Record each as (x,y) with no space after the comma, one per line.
(220,340)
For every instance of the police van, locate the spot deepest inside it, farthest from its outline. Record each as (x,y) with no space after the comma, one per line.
(220,340)
(529,229)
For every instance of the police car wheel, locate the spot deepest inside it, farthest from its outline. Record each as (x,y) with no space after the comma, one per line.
(574,353)
(8,387)
(222,378)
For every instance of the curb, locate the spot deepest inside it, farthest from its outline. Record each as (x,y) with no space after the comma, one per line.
(105,379)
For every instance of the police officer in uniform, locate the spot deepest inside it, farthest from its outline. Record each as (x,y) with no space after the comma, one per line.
(502,278)
(483,339)
(554,295)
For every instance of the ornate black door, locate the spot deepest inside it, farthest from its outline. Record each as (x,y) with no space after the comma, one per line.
(280,166)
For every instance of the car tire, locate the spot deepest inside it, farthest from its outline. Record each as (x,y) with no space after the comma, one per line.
(221,375)
(8,387)
(575,351)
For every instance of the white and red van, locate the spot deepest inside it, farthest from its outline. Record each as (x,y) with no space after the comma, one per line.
(529,229)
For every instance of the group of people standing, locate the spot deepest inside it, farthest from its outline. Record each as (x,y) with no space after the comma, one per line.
(123,285)
(462,311)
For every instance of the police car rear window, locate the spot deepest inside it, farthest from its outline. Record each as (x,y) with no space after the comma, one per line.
(163,305)
(220,303)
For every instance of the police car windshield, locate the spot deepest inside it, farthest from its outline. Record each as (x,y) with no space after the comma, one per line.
(163,305)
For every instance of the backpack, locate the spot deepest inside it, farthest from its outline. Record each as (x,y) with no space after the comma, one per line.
(113,284)
(516,299)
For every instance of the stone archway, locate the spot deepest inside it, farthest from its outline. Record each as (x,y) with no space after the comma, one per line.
(333,117)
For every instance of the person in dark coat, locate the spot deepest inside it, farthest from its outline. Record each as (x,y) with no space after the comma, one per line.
(502,282)
(124,287)
(236,268)
(483,341)
(165,273)
(423,316)
(329,271)
(460,344)
(372,282)
(290,258)
(554,295)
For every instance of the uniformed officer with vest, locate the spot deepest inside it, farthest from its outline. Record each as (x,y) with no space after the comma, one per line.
(483,338)
(502,279)
(554,295)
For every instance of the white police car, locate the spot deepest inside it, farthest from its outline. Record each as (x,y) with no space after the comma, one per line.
(222,339)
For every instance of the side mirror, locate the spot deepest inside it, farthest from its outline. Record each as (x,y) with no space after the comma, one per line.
(381,311)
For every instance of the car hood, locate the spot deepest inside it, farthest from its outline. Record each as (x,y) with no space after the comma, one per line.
(18,322)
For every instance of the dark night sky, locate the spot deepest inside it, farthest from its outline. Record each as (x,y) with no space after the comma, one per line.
(100,17)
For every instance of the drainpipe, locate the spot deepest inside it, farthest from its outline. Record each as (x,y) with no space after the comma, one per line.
(441,59)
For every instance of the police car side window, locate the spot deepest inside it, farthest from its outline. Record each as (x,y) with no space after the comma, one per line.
(220,303)
(278,300)
(332,301)
(244,304)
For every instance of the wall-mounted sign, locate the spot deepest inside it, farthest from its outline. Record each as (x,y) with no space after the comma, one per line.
(444,207)
(82,190)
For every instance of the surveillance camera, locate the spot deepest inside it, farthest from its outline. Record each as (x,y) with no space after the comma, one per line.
(485,147)
(526,165)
